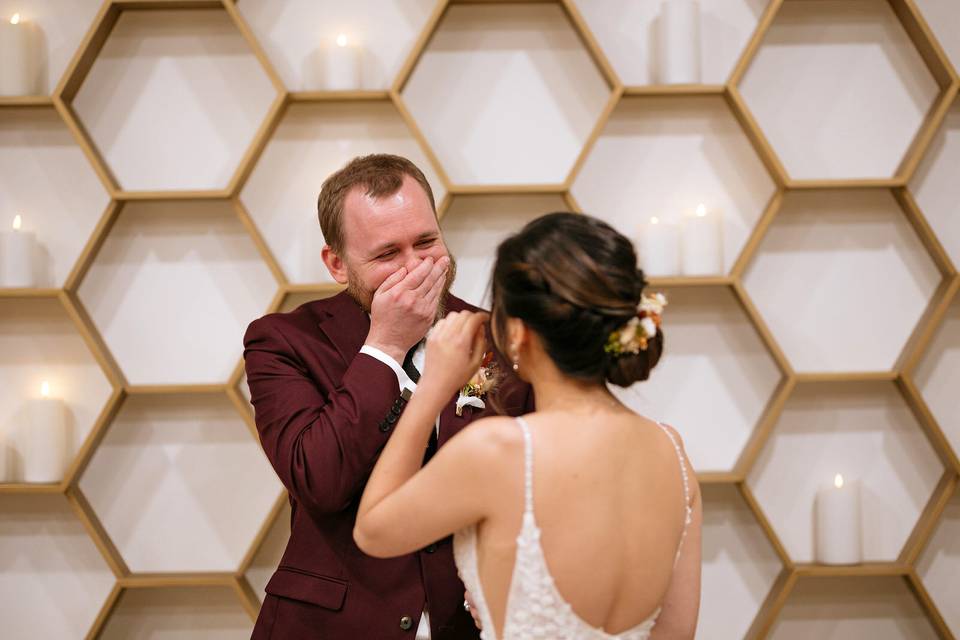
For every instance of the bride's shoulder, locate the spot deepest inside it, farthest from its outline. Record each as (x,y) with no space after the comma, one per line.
(494,435)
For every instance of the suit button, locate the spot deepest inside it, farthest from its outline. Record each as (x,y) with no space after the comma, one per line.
(384,427)
(432,548)
(392,419)
(406,623)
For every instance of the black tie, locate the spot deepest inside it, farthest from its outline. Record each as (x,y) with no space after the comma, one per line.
(408,366)
(411,370)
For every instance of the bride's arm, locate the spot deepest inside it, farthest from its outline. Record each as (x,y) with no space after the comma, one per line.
(403,510)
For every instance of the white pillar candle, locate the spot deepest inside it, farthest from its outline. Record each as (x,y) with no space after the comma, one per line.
(17,254)
(659,248)
(45,439)
(679,42)
(837,528)
(18,57)
(341,65)
(702,246)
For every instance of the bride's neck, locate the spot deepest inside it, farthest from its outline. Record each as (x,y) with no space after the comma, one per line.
(555,391)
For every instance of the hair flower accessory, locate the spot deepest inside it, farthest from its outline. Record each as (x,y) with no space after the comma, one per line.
(632,337)
(482,382)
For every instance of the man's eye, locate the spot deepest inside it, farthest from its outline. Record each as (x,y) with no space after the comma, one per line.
(425,243)
(385,256)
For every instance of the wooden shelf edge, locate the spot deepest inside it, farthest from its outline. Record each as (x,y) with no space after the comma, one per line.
(175,579)
(322,96)
(677,282)
(866,569)
(674,90)
(32,488)
(22,102)
(20,293)
(813,377)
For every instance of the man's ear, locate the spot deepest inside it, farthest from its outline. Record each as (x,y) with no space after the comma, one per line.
(335,264)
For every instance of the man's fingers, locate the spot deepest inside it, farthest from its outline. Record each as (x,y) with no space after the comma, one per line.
(433,294)
(419,273)
(437,273)
(392,280)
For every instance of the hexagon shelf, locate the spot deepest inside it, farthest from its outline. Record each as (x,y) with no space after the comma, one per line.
(881,608)
(716,355)
(54,580)
(936,379)
(63,26)
(40,343)
(726,27)
(844,89)
(474,225)
(826,272)
(310,142)
(740,565)
(487,74)
(44,174)
(170,159)
(934,187)
(661,156)
(159,258)
(939,566)
(295,34)
(207,612)
(863,430)
(177,451)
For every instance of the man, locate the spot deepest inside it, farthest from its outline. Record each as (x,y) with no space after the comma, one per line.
(328,382)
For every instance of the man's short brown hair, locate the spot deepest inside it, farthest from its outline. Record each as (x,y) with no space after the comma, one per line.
(379,174)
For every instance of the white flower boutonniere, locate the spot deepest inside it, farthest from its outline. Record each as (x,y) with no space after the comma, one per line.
(482,382)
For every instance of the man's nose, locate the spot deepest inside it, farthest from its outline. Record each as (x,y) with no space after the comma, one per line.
(412,261)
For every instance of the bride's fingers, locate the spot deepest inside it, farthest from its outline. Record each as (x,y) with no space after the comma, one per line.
(473,325)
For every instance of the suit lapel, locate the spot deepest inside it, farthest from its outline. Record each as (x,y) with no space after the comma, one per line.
(346,325)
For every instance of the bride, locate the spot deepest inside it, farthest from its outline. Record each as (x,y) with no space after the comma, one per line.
(582,519)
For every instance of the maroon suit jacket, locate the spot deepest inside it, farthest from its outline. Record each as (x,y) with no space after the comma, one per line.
(323,412)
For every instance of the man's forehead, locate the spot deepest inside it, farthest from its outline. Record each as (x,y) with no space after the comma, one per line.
(375,223)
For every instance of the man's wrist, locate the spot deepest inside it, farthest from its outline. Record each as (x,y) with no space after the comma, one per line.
(396,353)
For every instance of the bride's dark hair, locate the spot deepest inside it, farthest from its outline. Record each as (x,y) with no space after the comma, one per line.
(573,279)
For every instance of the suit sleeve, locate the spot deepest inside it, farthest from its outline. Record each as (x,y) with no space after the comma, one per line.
(322,445)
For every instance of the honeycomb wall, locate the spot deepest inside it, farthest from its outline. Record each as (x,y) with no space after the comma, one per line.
(825,133)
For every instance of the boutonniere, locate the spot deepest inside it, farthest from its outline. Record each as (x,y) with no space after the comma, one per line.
(482,382)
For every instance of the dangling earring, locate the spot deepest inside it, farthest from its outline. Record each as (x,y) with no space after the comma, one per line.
(516,359)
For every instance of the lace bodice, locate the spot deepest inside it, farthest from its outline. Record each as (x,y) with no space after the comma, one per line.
(535,609)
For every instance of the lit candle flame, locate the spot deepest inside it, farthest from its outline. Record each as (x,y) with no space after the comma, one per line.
(654,220)
(701,211)
(45,389)
(838,481)
(15,19)
(17,222)
(342,40)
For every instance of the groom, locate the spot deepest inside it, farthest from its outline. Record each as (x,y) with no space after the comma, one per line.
(328,383)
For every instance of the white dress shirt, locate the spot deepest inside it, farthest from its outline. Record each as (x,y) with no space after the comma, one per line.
(419,357)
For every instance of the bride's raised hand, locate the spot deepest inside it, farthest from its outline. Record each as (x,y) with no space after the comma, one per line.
(455,350)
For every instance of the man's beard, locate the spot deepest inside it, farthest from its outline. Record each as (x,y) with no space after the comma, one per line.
(364,296)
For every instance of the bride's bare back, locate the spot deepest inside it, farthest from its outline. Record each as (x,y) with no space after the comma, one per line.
(609,500)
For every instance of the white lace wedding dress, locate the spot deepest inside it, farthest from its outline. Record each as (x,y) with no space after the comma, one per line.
(535,609)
